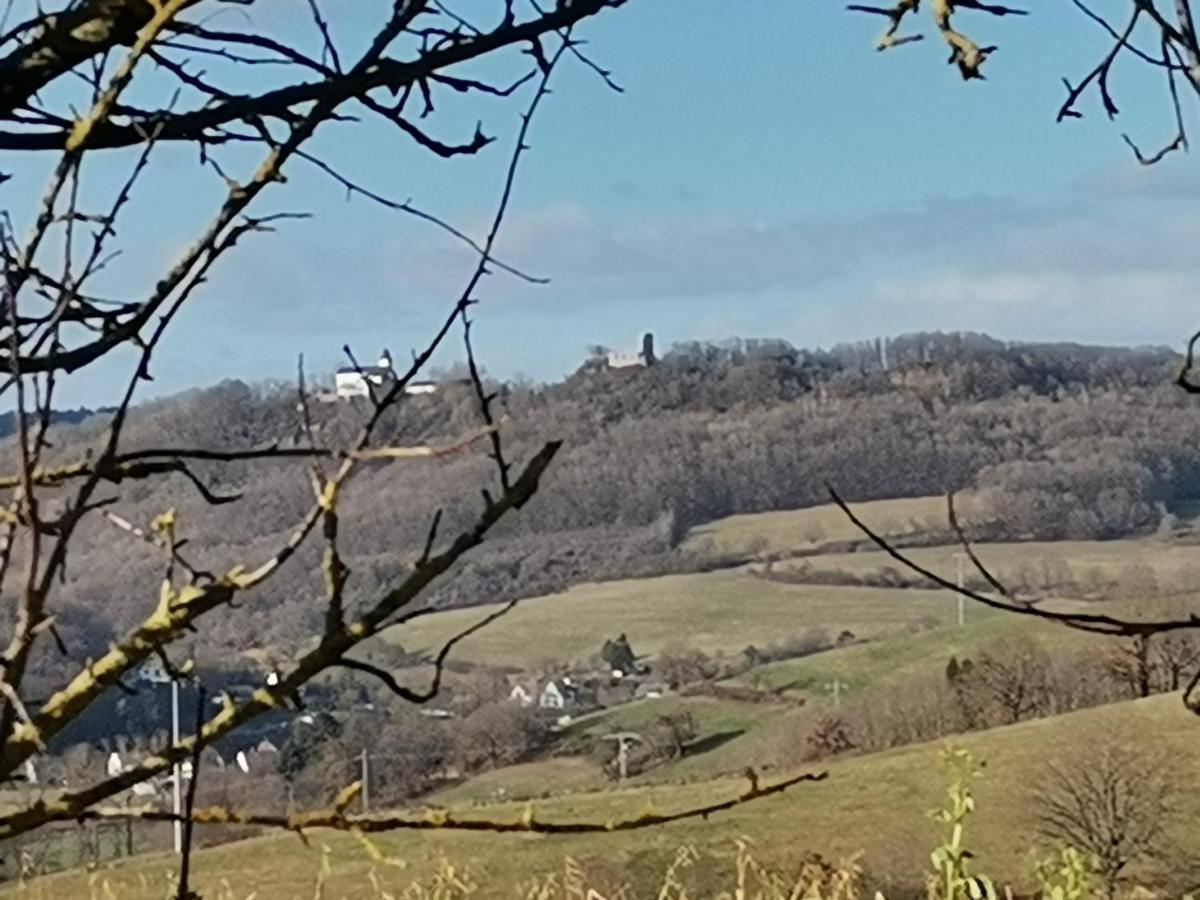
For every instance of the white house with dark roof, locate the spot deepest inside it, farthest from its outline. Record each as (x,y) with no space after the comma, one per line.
(350,382)
(552,697)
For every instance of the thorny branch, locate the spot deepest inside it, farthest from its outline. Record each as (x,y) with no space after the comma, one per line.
(967,55)
(1139,629)
(54,320)
(1174,33)
(433,820)
(1091,622)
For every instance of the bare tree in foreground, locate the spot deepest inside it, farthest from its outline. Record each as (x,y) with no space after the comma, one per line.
(119,80)
(1111,802)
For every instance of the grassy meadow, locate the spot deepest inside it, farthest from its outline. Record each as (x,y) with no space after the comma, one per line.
(724,611)
(727,736)
(799,529)
(866,668)
(733,734)
(1173,565)
(714,612)
(877,804)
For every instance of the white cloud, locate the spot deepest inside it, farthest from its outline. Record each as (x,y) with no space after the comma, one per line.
(592,258)
(1134,307)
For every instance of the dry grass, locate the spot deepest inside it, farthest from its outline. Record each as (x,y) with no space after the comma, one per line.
(803,529)
(722,611)
(1175,566)
(876,804)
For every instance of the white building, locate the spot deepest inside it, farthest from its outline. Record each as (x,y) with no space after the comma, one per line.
(521,694)
(350,382)
(552,697)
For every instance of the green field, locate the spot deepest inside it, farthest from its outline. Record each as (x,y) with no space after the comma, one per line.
(877,804)
(800,529)
(726,610)
(727,736)
(732,734)
(555,776)
(727,733)
(865,668)
(716,611)
(873,803)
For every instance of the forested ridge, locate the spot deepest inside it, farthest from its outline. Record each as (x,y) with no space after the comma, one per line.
(1067,441)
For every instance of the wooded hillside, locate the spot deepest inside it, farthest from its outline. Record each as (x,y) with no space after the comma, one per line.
(1064,440)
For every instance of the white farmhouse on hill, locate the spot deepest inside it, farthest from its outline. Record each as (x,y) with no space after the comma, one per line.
(352,382)
(552,697)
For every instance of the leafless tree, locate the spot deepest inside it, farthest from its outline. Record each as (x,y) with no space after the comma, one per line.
(680,665)
(1113,801)
(1151,664)
(671,732)
(1014,674)
(1129,662)
(498,733)
(120,81)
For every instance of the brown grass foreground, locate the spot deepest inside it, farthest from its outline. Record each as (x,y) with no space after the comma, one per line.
(874,804)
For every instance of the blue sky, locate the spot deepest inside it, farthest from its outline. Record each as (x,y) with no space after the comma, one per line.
(764,174)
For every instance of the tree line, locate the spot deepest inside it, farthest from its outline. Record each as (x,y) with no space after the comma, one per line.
(1063,442)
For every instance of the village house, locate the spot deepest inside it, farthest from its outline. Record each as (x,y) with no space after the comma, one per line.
(524,693)
(351,382)
(577,692)
(357,381)
(553,696)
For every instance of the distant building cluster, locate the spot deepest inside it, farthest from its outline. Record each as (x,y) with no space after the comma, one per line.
(584,691)
(358,381)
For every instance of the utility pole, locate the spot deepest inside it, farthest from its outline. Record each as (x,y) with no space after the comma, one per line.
(835,688)
(365,776)
(177,769)
(960,558)
(623,739)
(157,674)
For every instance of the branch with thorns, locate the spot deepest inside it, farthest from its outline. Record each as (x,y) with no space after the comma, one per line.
(1178,56)
(54,321)
(338,819)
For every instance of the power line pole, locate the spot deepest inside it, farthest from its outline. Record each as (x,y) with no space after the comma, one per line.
(177,769)
(623,739)
(959,558)
(365,776)
(835,687)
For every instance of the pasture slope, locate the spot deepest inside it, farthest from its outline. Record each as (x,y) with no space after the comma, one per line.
(726,610)
(788,530)
(876,804)
(714,612)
